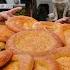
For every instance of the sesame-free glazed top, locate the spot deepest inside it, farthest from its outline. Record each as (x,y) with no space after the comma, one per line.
(34,42)
(18,23)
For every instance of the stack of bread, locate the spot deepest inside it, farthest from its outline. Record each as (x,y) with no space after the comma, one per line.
(28,44)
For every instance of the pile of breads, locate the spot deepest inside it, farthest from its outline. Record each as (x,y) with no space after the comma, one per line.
(28,44)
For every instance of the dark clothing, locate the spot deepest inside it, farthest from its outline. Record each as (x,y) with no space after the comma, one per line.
(31,8)
(42,12)
(2,1)
(22,1)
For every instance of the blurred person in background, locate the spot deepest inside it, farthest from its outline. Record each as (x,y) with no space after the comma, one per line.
(42,12)
(10,13)
(60,8)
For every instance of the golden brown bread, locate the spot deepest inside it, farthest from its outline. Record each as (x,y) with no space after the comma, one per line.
(20,62)
(67,37)
(34,42)
(52,26)
(18,23)
(2,46)
(66,32)
(62,56)
(47,63)
(47,40)
(65,26)
(5,33)
(5,56)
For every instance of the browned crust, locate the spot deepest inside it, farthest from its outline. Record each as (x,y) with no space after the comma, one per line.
(25,62)
(18,23)
(39,37)
(51,63)
(5,56)
(66,32)
(57,28)
(66,26)
(59,52)
(5,33)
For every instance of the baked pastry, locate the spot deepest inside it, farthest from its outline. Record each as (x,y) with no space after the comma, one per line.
(62,56)
(2,46)
(5,56)
(34,42)
(18,23)
(46,64)
(20,62)
(65,26)
(54,27)
(5,33)
(46,24)
(66,31)
(67,37)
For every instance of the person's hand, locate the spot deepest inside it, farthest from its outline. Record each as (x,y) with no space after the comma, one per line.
(9,13)
(63,20)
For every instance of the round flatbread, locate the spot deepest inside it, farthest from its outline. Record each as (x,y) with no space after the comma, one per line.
(62,56)
(66,32)
(5,33)
(5,56)
(48,63)
(52,26)
(20,62)
(34,42)
(18,23)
